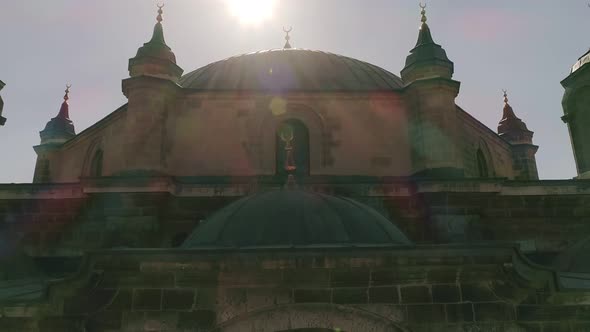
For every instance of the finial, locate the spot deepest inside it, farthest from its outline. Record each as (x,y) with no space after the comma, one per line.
(505,96)
(66,96)
(423,12)
(287,37)
(160,12)
(286,134)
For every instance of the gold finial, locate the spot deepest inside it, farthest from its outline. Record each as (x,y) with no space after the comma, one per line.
(287,37)
(287,135)
(505,96)
(423,12)
(66,96)
(160,12)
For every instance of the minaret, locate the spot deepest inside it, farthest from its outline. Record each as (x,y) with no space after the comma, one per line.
(151,92)
(2,119)
(430,94)
(515,131)
(576,109)
(57,131)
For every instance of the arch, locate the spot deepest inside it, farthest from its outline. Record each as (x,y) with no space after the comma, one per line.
(312,120)
(94,160)
(96,164)
(482,165)
(320,316)
(299,145)
(484,161)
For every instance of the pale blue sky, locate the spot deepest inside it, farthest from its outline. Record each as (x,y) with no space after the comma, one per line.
(525,46)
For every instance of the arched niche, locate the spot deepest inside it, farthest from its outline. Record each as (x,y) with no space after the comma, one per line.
(483,161)
(94,160)
(309,317)
(292,135)
(317,133)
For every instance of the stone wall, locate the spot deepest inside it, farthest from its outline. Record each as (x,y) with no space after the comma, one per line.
(390,289)
(544,217)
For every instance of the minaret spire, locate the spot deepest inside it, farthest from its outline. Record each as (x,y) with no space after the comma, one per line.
(508,112)
(424,36)
(64,111)
(287,38)
(158,36)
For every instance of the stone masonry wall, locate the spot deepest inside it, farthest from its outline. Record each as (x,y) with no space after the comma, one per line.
(418,290)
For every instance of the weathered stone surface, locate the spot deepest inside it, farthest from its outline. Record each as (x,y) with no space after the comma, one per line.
(178,299)
(147,299)
(415,294)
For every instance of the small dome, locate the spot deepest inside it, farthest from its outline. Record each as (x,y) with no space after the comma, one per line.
(295,218)
(291,70)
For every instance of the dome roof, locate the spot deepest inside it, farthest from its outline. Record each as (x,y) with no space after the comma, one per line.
(291,70)
(295,218)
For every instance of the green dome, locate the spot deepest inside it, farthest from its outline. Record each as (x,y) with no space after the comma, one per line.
(291,70)
(295,218)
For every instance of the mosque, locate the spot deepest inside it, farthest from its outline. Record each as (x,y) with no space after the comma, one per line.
(297,190)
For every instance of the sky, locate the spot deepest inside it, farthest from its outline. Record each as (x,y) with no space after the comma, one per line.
(525,46)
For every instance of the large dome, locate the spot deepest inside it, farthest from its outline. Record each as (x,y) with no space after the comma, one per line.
(295,218)
(291,70)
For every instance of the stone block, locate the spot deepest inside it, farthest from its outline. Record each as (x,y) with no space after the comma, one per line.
(313,295)
(147,299)
(350,278)
(446,293)
(122,301)
(307,278)
(415,294)
(477,292)
(196,321)
(426,313)
(196,279)
(384,294)
(178,299)
(459,312)
(382,277)
(349,295)
(545,312)
(493,311)
(206,298)
(267,297)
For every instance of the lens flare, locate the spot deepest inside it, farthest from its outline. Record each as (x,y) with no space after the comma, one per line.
(251,11)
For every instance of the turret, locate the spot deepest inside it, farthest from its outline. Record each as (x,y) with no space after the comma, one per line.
(430,93)
(57,131)
(151,91)
(155,58)
(515,132)
(576,109)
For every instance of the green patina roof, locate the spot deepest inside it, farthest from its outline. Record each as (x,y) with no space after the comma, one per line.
(295,218)
(291,70)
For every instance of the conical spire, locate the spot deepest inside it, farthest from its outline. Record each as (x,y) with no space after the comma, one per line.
(508,112)
(64,111)
(424,36)
(510,124)
(158,35)
(60,128)
(155,58)
(157,47)
(427,58)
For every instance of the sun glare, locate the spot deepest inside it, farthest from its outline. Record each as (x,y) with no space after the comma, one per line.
(251,11)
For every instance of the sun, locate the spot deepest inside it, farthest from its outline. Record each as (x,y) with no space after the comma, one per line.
(251,11)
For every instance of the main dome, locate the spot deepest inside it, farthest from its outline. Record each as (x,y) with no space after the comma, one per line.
(295,218)
(291,70)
